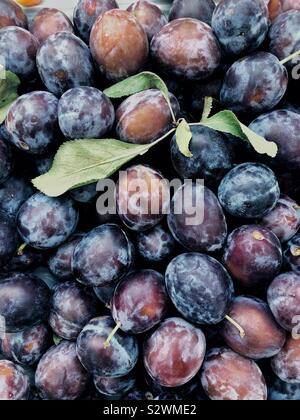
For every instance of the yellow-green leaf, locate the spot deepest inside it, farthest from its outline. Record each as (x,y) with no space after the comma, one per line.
(8,93)
(183,138)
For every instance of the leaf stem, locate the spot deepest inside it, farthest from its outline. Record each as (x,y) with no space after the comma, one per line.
(236,325)
(290,57)
(109,338)
(21,249)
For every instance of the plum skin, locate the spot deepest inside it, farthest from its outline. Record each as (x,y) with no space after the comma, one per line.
(85,113)
(13,193)
(32,122)
(286,364)
(123,52)
(196,9)
(14,382)
(155,245)
(117,360)
(228,376)
(254,84)
(6,161)
(60,262)
(49,21)
(174,353)
(170,47)
(8,239)
(12,15)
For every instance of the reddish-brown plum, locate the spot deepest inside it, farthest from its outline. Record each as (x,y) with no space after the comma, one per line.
(133,122)
(286,364)
(252,255)
(227,376)
(199,287)
(14,382)
(24,301)
(103,256)
(277,7)
(11,14)
(196,219)
(118,44)
(115,387)
(196,9)
(60,375)
(114,360)
(142,197)
(284,219)
(263,338)
(174,353)
(72,307)
(284,300)
(186,48)
(48,22)
(140,301)
(155,245)
(28,346)
(149,16)
(86,13)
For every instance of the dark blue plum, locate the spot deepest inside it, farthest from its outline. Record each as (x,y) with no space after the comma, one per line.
(200,288)
(254,84)
(86,13)
(116,360)
(46,222)
(43,164)
(292,254)
(103,256)
(85,113)
(18,48)
(249,191)
(72,307)
(32,122)
(25,260)
(32,304)
(60,375)
(13,193)
(105,293)
(64,62)
(6,161)
(12,14)
(86,194)
(115,387)
(241,26)
(282,391)
(212,156)
(60,262)
(8,239)
(196,9)
(155,245)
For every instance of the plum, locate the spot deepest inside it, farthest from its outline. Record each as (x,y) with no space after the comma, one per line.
(6,161)
(15,384)
(13,193)
(60,262)
(155,245)
(149,16)
(49,21)
(115,387)
(12,14)
(8,239)
(196,9)
(286,364)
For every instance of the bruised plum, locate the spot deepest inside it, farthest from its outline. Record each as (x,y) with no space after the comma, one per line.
(149,15)
(140,301)
(286,364)
(284,219)
(24,301)
(196,9)
(11,14)
(252,255)
(284,299)
(85,113)
(227,376)
(60,375)
(142,197)
(196,219)
(254,84)
(174,353)
(118,44)
(72,307)
(86,12)
(48,22)
(15,383)
(46,222)
(240,26)
(32,122)
(28,346)
(263,337)
(133,124)
(186,48)
(199,287)
(18,48)
(102,256)
(64,62)
(112,361)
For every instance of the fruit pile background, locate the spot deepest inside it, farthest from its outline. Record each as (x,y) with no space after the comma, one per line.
(146,306)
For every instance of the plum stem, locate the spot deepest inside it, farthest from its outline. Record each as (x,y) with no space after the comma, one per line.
(21,249)
(290,57)
(236,325)
(109,338)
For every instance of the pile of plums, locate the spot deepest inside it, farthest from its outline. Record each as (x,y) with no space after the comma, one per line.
(202,303)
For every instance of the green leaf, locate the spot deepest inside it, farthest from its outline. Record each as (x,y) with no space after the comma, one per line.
(208,104)
(56,339)
(82,162)
(8,93)
(183,138)
(227,122)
